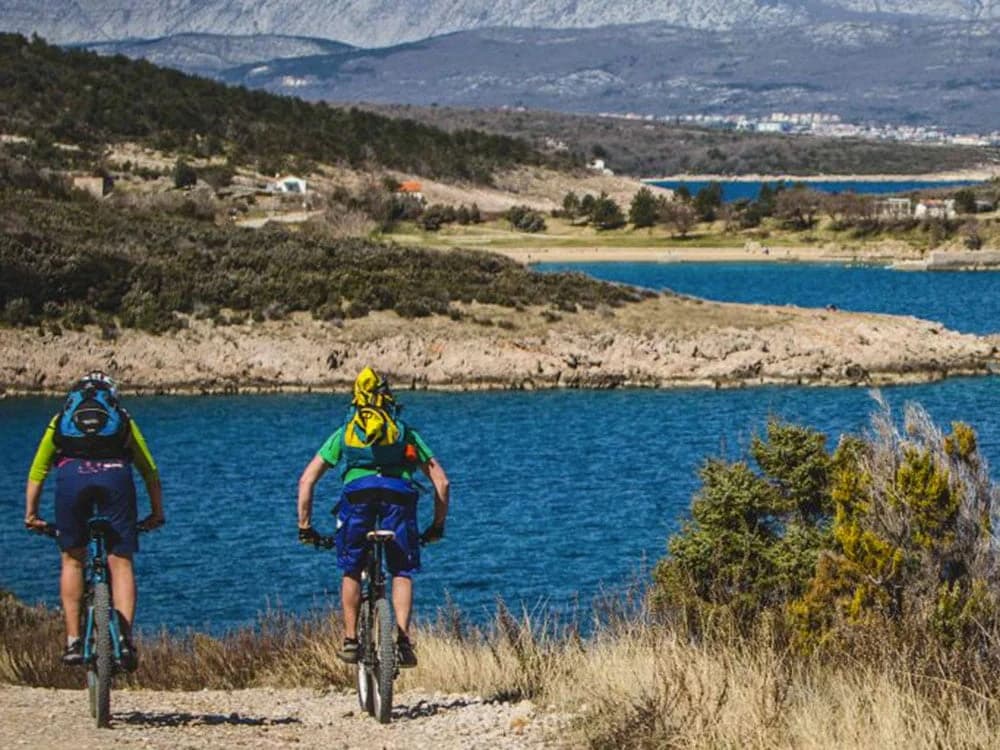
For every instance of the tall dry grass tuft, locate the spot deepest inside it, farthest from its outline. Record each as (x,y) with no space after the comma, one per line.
(633,684)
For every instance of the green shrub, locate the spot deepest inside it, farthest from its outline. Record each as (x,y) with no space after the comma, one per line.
(525,219)
(889,537)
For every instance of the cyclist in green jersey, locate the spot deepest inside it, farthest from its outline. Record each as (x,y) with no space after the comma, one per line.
(379,454)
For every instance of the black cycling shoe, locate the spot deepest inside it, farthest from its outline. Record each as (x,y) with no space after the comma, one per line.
(73,654)
(129,655)
(405,654)
(349,651)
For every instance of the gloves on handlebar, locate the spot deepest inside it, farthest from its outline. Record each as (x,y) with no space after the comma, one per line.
(433,533)
(310,536)
(151,522)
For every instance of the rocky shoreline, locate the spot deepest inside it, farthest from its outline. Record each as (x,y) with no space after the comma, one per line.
(668,341)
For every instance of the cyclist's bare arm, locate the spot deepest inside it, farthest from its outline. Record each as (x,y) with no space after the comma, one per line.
(435,472)
(32,499)
(310,476)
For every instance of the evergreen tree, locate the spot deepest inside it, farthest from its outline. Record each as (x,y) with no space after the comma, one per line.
(607,214)
(642,212)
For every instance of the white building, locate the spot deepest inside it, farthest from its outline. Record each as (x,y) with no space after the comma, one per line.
(935,209)
(288,184)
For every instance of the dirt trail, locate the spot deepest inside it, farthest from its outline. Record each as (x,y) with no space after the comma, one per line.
(268,718)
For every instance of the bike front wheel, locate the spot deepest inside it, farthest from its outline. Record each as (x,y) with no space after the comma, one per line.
(385,660)
(366,688)
(99,676)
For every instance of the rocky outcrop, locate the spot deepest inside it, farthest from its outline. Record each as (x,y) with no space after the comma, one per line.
(662,342)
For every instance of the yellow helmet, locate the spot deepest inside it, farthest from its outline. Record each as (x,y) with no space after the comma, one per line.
(371,389)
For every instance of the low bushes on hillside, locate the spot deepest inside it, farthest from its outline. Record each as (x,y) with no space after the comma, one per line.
(140,268)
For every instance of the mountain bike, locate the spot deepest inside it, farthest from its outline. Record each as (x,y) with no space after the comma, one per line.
(102,634)
(378,665)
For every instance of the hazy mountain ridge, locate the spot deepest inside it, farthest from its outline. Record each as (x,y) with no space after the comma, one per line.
(209,54)
(386,22)
(943,74)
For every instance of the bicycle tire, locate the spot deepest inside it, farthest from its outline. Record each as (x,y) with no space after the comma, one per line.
(104,656)
(364,667)
(92,691)
(385,663)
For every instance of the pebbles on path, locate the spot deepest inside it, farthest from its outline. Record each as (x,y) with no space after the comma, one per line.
(269,718)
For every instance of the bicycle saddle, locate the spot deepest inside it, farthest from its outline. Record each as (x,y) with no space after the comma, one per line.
(99,525)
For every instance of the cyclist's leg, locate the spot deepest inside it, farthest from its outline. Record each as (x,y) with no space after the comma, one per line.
(117,503)
(123,591)
(354,521)
(402,602)
(71,588)
(72,511)
(350,602)
(402,554)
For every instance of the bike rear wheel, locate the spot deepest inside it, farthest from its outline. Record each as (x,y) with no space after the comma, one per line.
(99,676)
(366,688)
(385,662)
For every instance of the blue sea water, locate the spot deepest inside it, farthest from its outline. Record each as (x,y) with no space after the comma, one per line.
(557,496)
(733,190)
(963,301)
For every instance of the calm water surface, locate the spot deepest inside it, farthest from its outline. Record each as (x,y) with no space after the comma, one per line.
(963,301)
(745,189)
(556,494)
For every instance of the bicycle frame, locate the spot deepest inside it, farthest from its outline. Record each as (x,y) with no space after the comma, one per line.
(97,572)
(373,577)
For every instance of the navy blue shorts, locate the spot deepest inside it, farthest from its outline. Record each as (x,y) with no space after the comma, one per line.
(382,503)
(85,488)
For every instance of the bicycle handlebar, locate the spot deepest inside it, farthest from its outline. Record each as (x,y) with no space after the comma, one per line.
(49,530)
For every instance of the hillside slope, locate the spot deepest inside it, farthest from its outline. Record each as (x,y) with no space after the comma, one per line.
(81,98)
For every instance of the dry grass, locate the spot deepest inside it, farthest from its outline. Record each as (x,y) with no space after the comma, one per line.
(629,684)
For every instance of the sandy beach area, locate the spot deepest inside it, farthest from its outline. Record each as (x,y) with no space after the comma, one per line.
(752,252)
(983,174)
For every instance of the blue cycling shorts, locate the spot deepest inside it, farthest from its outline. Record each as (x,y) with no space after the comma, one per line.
(85,487)
(384,503)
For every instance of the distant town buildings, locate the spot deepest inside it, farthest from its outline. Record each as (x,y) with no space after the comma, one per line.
(904,208)
(935,209)
(823,124)
(411,188)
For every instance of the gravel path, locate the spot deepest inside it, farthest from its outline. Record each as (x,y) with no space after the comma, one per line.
(268,718)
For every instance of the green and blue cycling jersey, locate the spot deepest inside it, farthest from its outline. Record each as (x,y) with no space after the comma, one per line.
(395,511)
(333,452)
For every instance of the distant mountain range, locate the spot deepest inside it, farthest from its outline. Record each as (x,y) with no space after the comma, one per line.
(377,23)
(909,72)
(893,61)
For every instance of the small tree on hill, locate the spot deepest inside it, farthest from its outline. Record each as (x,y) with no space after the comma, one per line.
(681,216)
(965,201)
(642,212)
(525,219)
(184,174)
(708,201)
(571,205)
(798,207)
(607,214)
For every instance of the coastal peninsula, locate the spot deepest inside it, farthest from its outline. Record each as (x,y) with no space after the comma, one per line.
(664,341)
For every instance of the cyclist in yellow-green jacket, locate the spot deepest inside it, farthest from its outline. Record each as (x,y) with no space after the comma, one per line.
(379,454)
(93,443)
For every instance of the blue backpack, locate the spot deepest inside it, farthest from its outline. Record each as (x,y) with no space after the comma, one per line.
(93,425)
